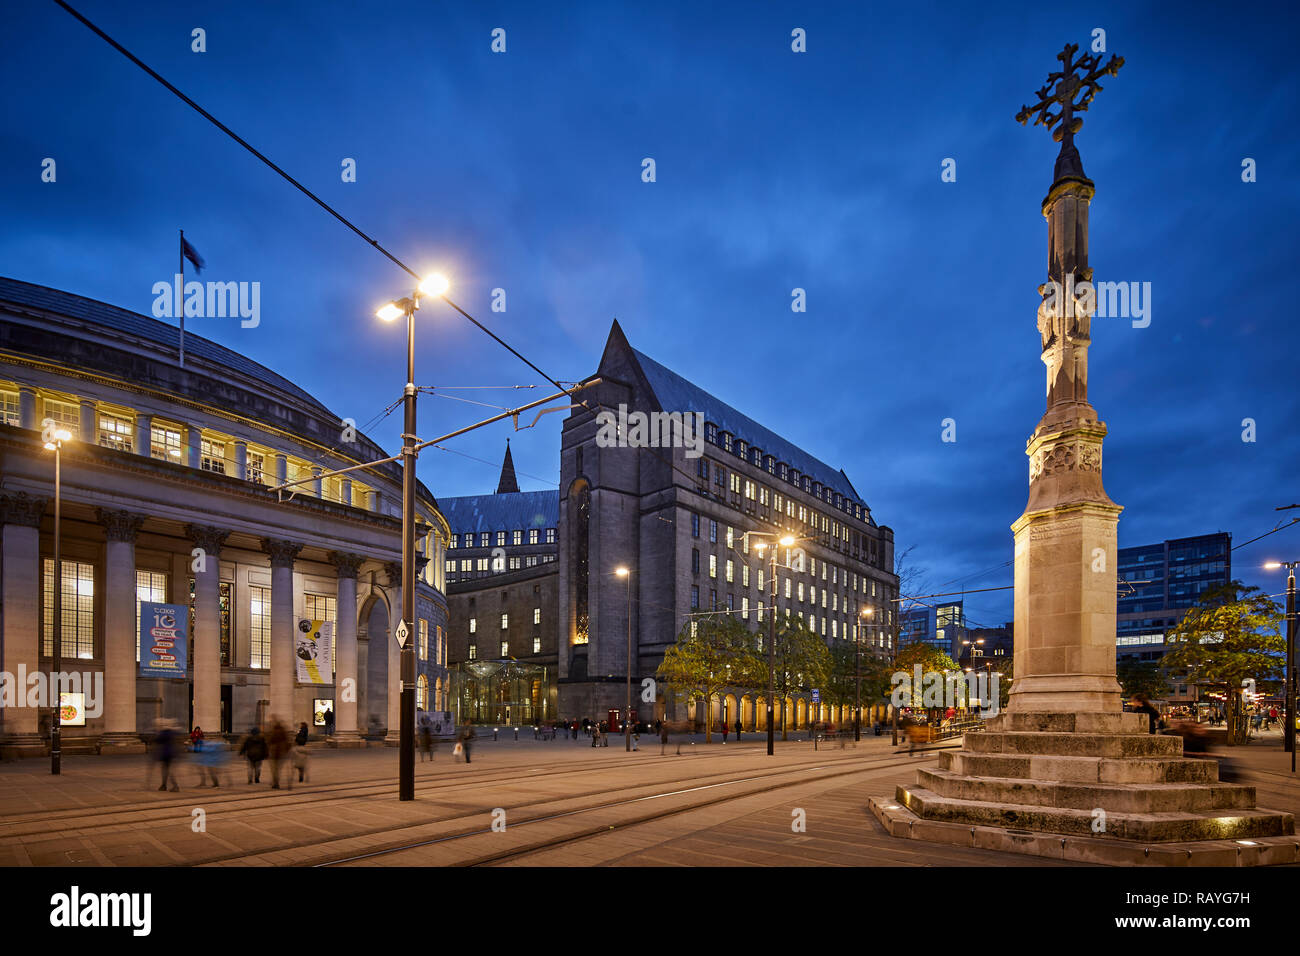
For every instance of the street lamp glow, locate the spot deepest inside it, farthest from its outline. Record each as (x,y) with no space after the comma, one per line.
(390,312)
(435,284)
(1268,566)
(621,572)
(787,541)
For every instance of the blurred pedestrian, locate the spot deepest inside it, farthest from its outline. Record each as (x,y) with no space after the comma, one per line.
(300,754)
(663,738)
(1142,705)
(212,761)
(278,744)
(253,749)
(426,741)
(196,737)
(165,752)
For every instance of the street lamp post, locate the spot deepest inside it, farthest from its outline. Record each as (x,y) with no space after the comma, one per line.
(785,541)
(433,285)
(627,712)
(1288,735)
(54,438)
(857,684)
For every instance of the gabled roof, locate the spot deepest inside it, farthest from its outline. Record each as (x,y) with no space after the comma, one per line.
(510,511)
(676,394)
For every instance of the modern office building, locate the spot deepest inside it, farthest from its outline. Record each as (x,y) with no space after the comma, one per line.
(683,512)
(1157,584)
(166,497)
(942,626)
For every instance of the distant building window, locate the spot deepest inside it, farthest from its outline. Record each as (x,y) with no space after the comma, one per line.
(713,565)
(473,625)
(483,539)
(9,408)
(695,526)
(255,469)
(537,615)
(726,441)
(424,639)
(550,536)
(473,652)
(116,432)
(713,531)
(212,456)
(532,535)
(501,539)
(64,413)
(505,621)
(505,648)
(260,630)
(516,537)
(149,586)
(537,645)
(695,560)
(695,596)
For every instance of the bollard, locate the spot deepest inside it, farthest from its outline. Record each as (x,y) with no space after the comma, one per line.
(516,733)
(495,731)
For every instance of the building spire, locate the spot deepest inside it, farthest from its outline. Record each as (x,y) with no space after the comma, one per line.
(508,483)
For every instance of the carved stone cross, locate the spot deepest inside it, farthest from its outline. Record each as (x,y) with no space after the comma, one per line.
(1070,90)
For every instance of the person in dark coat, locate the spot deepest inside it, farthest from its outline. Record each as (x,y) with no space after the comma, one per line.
(165,750)
(278,744)
(300,754)
(253,749)
(426,742)
(1143,706)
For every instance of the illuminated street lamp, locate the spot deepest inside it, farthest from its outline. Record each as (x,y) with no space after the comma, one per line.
(54,436)
(857,685)
(434,285)
(1288,736)
(785,541)
(623,572)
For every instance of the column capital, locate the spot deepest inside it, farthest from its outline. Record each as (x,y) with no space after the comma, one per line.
(206,537)
(119,525)
(394,571)
(282,552)
(22,509)
(346,564)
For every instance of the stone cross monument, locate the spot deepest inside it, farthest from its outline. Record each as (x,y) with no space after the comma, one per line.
(1065,541)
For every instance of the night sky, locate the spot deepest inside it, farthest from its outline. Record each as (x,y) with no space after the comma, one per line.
(775,170)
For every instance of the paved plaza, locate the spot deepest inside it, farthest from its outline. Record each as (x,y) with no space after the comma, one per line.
(528,802)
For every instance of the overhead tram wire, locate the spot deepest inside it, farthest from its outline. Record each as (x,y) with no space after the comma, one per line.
(341,218)
(297,185)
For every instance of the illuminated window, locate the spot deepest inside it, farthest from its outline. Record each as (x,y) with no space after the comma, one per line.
(713,565)
(516,537)
(9,412)
(149,586)
(537,615)
(212,456)
(473,625)
(64,413)
(424,639)
(505,621)
(537,645)
(256,467)
(550,536)
(422,692)
(473,652)
(260,628)
(501,539)
(532,535)
(78,596)
(116,432)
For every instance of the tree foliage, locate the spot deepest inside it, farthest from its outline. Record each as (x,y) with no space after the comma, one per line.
(1231,637)
(716,653)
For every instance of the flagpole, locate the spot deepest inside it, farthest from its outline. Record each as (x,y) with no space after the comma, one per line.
(182,309)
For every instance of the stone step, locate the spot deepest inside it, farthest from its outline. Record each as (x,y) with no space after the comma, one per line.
(1087,723)
(1113,798)
(1073,744)
(1158,827)
(1081,769)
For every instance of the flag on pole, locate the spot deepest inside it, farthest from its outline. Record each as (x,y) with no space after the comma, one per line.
(189,252)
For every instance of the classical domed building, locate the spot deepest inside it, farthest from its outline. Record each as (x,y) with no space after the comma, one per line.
(166,497)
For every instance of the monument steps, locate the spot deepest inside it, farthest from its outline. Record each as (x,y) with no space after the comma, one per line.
(1073,769)
(1155,827)
(1112,798)
(1073,744)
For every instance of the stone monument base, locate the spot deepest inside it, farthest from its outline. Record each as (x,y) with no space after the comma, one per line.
(1088,787)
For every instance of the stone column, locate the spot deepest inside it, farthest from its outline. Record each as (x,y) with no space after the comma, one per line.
(1066,539)
(316,480)
(394,571)
(283,669)
(281,469)
(346,680)
(27,408)
(205,654)
(144,435)
(193,445)
(241,460)
(346,493)
(120,668)
(89,423)
(20,646)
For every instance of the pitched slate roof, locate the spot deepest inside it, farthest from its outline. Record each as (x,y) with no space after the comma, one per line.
(676,394)
(509,511)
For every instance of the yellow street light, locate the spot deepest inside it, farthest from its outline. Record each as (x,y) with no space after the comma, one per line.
(390,312)
(435,284)
(621,572)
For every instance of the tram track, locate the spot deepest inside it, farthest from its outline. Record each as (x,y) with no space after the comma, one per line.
(802,774)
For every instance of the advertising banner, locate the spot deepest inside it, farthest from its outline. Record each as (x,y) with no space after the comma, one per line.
(314,652)
(164,633)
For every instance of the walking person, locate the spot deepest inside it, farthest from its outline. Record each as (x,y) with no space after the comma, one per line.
(466,739)
(426,741)
(277,745)
(663,738)
(253,749)
(165,744)
(329,721)
(300,755)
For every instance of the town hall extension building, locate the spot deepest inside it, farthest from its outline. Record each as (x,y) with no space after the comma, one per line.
(168,458)
(678,522)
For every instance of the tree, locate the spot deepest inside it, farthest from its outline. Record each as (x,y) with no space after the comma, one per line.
(802,662)
(1232,636)
(711,654)
(931,660)
(1141,678)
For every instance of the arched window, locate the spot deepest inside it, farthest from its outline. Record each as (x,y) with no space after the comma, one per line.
(422,693)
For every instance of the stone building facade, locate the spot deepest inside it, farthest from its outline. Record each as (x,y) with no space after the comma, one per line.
(166,496)
(685,520)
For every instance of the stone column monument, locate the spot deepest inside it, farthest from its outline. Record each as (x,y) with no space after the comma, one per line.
(1064,772)
(1065,540)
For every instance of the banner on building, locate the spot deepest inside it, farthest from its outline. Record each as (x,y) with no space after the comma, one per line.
(164,633)
(314,652)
